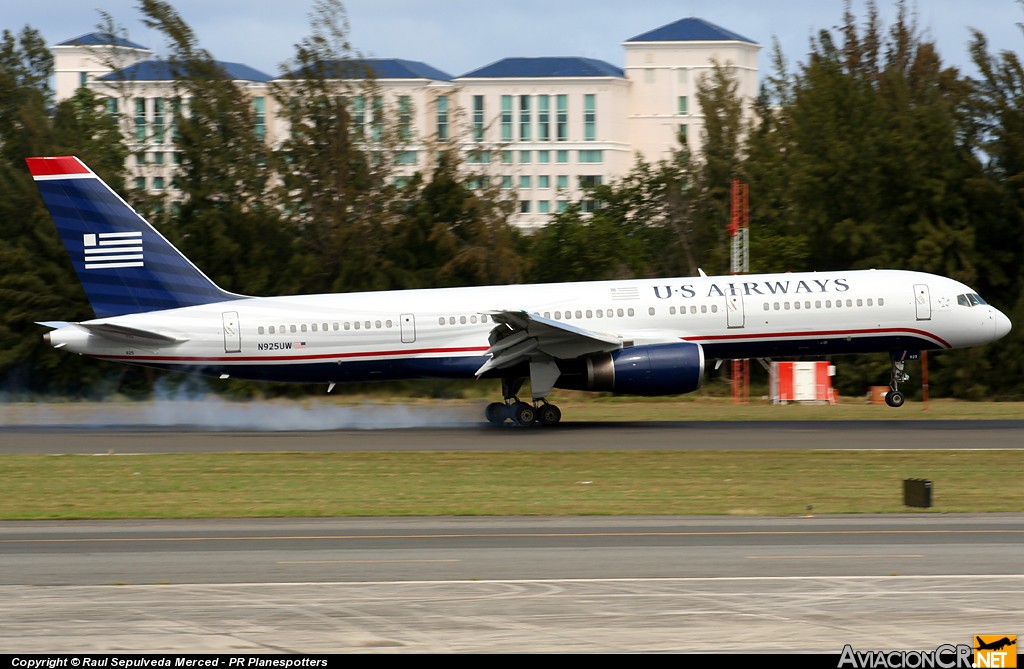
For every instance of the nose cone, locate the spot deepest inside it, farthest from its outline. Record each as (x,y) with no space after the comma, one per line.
(1003,324)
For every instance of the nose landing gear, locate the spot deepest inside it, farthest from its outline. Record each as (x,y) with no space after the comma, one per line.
(894,397)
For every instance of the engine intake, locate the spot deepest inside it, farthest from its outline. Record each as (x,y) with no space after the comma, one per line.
(657,369)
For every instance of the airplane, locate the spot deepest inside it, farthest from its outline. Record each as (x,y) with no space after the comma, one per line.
(650,337)
(998,644)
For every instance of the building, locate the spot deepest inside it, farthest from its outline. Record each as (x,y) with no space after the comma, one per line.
(542,127)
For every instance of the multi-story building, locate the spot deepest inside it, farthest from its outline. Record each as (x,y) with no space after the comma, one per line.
(542,127)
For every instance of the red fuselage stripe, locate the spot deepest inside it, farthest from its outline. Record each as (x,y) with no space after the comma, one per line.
(283,358)
(816,333)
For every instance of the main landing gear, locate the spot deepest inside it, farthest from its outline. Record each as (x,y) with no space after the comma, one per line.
(519,412)
(894,397)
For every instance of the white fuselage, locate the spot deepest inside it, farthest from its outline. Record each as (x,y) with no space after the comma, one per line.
(444,332)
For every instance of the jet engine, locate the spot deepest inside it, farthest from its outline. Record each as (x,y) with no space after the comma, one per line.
(657,369)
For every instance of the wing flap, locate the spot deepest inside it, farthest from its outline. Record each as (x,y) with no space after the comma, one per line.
(522,336)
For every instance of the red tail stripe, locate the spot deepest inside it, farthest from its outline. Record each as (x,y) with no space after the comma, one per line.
(56,166)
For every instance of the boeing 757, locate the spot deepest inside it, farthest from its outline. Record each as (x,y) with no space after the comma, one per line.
(155,308)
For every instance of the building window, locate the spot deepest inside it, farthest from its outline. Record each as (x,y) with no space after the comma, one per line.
(589,117)
(478,157)
(140,183)
(562,205)
(506,157)
(442,117)
(683,107)
(524,181)
(683,136)
(525,157)
(404,118)
(524,206)
(589,180)
(544,118)
(562,181)
(112,106)
(358,115)
(158,158)
(259,110)
(543,207)
(543,181)
(83,79)
(478,118)
(406,158)
(544,157)
(140,119)
(506,118)
(525,118)
(592,156)
(562,118)
(506,181)
(158,183)
(562,157)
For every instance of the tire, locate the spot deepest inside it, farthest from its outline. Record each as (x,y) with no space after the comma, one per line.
(549,414)
(495,413)
(895,398)
(524,414)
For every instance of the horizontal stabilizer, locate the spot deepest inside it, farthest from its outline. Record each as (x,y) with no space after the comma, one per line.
(129,335)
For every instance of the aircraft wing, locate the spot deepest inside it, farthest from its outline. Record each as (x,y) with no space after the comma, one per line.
(522,336)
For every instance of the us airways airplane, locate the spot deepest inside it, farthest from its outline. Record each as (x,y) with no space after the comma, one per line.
(643,336)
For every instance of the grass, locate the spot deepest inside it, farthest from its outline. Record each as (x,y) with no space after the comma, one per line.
(505,483)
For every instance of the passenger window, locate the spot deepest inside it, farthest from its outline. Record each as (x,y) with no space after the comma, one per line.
(870,302)
(860,302)
(313,327)
(260,329)
(777,307)
(366,324)
(303,327)
(703,308)
(590,313)
(440,321)
(785,305)
(579,314)
(558,315)
(807,304)
(335,327)
(714,308)
(355,325)
(609,313)
(600,314)
(272,329)
(377,324)
(828,304)
(292,328)
(390,323)
(620,313)
(671,311)
(650,311)
(881,302)
(693,309)
(348,326)
(630,312)
(462,320)
(849,303)
(547,314)
(796,305)
(451,320)
(766,306)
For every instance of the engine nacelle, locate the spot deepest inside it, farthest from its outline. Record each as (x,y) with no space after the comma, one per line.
(658,369)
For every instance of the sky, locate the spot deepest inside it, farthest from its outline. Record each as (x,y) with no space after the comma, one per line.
(458,36)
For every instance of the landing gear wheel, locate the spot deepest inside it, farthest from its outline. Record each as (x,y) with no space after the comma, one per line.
(549,414)
(495,413)
(524,414)
(894,398)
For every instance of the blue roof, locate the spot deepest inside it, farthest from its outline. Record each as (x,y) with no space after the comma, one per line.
(690,29)
(162,70)
(101,39)
(382,68)
(549,66)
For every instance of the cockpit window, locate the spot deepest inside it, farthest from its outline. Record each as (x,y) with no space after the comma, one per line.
(969,300)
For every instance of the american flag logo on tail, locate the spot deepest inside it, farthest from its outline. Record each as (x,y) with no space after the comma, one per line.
(111,250)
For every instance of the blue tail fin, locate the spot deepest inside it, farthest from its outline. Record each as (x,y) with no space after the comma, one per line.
(124,264)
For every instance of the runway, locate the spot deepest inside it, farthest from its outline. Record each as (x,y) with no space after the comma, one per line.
(570,436)
(648,584)
(497,585)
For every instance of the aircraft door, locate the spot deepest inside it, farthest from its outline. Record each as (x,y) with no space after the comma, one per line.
(232,333)
(408,322)
(735,313)
(923,302)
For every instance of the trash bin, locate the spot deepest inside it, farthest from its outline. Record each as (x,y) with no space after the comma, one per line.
(917,492)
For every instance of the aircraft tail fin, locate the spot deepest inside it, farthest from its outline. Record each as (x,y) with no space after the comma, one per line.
(124,264)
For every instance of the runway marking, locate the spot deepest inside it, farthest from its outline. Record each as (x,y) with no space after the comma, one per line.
(832,557)
(512,535)
(361,561)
